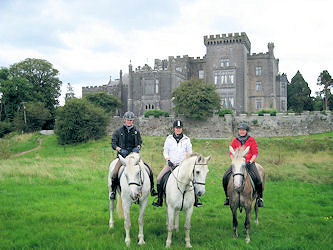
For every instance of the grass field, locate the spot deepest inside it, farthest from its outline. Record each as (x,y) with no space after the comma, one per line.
(57,197)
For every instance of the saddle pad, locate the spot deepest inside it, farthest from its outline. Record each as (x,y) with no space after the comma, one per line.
(164,180)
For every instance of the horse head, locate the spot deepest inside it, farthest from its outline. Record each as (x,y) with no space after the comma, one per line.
(133,174)
(238,166)
(200,172)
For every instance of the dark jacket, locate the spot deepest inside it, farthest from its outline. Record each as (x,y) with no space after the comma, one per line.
(126,140)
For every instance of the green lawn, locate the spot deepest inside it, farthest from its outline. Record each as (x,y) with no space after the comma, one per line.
(57,197)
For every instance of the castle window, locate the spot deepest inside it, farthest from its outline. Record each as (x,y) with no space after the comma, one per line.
(146,107)
(179,69)
(258,71)
(215,78)
(258,104)
(152,106)
(201,74)
(156,86)
(283,105)
(231,78)
(225,62)
(283,89)
(258,86)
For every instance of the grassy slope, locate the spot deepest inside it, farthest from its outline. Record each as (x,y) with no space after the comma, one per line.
(57,197)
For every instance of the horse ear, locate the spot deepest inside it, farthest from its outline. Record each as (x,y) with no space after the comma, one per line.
(232,151)
(199,158)
(208,158)
(246,150)
(122,159)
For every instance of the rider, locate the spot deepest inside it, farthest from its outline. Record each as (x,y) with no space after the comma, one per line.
(176,146)
(244,139)
(125,140)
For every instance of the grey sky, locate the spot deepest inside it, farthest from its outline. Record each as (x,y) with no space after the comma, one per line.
(89,41)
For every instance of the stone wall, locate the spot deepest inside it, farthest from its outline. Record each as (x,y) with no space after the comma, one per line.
(226,127)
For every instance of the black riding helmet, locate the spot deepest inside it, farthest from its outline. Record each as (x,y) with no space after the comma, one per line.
(129,116)
(243,125)
(177,124)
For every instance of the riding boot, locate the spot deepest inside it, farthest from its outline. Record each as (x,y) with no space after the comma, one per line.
(114,185)
(197,203)
(152,189)
(260,201)
(159,201)
(225,182)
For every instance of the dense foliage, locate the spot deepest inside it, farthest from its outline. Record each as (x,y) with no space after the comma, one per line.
(298,94)
(223,112)
(196,99)
(108,102)
(156,113)
(261,112)
(31,80)
(80,121)
(326,81)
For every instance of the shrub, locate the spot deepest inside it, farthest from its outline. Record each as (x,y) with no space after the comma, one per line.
(156,113)
(222,112)
(80,121)
(261,112)
(5,128)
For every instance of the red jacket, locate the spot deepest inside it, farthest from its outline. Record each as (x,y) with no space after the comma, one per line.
(249,142)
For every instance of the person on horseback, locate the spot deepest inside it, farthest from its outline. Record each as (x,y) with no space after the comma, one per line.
(125,140)
(176,146)
(244,139)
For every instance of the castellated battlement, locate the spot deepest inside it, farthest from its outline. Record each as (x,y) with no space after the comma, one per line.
(228,39)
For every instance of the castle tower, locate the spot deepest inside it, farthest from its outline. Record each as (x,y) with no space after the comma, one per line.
(226,67)
(130,88)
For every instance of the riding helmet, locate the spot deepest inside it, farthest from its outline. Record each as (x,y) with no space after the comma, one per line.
(129,116)
(243,125)
(177,124)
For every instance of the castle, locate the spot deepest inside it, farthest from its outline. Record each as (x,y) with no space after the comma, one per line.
(246,82)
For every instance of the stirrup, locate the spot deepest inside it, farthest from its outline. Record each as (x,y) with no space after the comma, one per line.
(157,203)
(153,192)
(226,202)
(113,195)
(260,202)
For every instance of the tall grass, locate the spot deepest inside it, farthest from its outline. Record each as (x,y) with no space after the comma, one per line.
(56,197)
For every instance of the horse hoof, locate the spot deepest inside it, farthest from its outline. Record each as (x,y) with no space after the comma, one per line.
(235,235)
(247,240)
(167,245)
(188,245)
(257,222)
(128,243)
(141,242)
(111,225)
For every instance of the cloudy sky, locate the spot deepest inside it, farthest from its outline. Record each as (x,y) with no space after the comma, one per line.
(89,41)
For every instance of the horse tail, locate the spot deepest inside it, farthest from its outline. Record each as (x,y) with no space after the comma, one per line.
(120,210)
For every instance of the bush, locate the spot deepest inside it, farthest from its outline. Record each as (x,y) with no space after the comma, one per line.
(156,113)
(272,112)
(5,128)
(223,112)
(80,121)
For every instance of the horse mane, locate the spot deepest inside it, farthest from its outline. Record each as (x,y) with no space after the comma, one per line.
(134,157)
(189,155)
(239,152)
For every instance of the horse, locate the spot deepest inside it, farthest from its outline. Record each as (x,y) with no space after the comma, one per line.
(187,178)
(240,191)
(134,188)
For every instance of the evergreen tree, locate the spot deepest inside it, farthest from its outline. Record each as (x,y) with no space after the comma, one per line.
(298,94)
(326,81)
(70,92)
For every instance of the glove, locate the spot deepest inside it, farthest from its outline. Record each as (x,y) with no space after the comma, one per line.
(123,152)
(136,149)
(170,164)
(249,164)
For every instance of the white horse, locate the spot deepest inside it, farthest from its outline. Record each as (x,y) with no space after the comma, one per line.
(186,179)
(135,186)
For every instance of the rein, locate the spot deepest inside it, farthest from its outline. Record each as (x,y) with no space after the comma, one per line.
(137,184)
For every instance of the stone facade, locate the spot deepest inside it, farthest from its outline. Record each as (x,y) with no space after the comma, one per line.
(226,127)
(246,82)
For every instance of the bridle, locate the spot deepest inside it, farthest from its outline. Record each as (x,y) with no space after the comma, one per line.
(194,181)
(139,184)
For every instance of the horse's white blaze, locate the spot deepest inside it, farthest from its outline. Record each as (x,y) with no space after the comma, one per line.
(134,172)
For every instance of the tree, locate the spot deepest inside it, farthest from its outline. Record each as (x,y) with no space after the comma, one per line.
(196,99)
(106,101)
(44,79)
(326,81)
(70,92)
(32,116)
(79,121)
(298,94)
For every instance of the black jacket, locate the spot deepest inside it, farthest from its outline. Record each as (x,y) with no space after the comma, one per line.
(126,140)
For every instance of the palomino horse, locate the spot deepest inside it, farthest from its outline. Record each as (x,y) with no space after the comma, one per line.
(135,186)
(187,178)
(240,190)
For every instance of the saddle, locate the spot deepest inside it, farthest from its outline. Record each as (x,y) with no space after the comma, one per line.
(165,179)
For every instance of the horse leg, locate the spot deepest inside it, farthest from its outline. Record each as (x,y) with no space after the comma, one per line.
(171,217)
(247,222)
(111,221)
(177,221)
(141,221)
(187,226)
(234,221)
(127,221)
(256,213)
